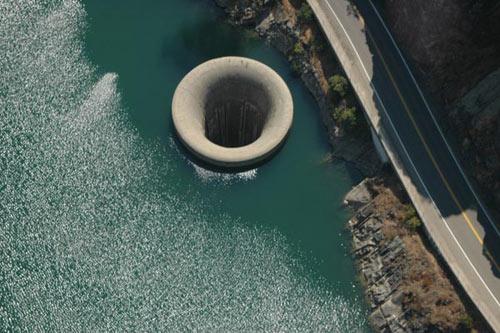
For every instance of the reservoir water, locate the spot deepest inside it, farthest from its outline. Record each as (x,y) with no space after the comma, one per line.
(106,224)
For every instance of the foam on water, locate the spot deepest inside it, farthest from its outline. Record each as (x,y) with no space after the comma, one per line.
(226,178)
(214,177)
(86,245)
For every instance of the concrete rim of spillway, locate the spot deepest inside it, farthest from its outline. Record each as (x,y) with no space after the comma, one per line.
(189,107)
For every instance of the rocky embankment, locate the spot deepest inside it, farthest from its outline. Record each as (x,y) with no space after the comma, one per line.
(405,286)
(455,46)
(380,260)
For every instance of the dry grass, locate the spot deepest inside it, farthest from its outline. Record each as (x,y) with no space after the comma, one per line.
(290,10)
(430,297)
(324,63)
(318,66)
(428,291)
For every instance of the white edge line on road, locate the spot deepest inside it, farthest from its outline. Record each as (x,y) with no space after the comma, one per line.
(434,119)
(408,156)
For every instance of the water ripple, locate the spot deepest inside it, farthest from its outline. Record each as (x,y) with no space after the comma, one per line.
(85,246)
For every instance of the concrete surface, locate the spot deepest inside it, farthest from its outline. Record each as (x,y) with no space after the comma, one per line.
(232,111)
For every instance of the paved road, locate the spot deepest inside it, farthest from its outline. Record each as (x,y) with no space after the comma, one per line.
(455,218)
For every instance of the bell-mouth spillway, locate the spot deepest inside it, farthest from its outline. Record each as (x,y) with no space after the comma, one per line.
(236,111)
(232,111)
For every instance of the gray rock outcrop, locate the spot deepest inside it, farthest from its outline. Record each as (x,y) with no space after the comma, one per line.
(380,261)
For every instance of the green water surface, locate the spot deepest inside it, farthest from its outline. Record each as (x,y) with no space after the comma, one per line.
(270,252)
(151,45)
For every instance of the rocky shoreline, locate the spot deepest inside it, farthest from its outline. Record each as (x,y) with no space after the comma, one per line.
(380,260)
(405,287)
(274,23)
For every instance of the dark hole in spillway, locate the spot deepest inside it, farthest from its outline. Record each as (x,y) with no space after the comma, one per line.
(236,111)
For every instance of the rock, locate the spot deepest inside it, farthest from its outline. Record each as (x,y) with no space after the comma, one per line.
(359,196)
(311,81)
(380,260)
(248,16)
(265,25)
(371,225)
(244,12)
(390,310)
(377,319)
(359,245)
(395,327)
(380,292)
(398,298)
(358,150)
(378,236)
(279,38)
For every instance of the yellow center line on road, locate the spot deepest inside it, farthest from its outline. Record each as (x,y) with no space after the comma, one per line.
(428,150)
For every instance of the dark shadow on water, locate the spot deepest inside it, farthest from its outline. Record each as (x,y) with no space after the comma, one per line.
(207,39)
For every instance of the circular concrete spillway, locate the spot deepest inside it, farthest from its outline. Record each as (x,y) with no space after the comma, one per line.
(232,111)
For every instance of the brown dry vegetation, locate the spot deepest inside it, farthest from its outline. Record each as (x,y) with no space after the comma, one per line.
(429,295)
(324,62)
(345,109)
(290,10)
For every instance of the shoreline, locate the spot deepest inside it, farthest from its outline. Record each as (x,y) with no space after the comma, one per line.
(405,285)
(312,62)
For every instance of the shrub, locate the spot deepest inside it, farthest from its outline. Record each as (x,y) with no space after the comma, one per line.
(467,322)
(411,219)
(339,84)
(305,13)
(298,49)
(318,45)
(414,223)
(345,116)
(296,67)
(409,212)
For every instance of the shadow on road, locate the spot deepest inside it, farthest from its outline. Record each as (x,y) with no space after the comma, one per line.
(427,159)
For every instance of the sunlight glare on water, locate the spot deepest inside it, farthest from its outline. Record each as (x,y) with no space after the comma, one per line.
(85,245)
